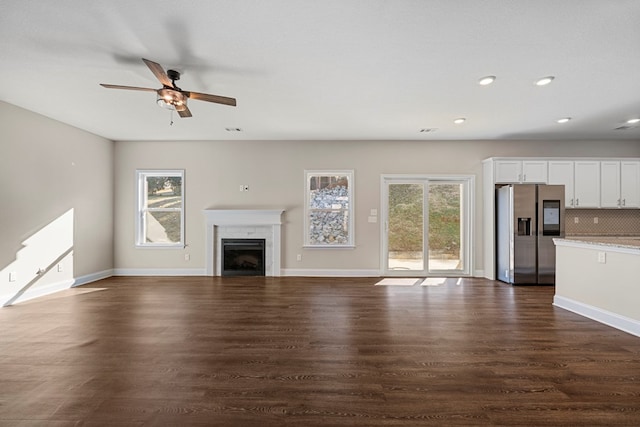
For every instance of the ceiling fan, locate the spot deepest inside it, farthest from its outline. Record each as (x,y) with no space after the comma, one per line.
(171,96)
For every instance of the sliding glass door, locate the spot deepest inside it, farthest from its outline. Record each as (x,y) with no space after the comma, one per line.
(426,225)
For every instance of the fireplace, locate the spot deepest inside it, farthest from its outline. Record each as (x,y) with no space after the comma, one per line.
(243,224)
(243,257)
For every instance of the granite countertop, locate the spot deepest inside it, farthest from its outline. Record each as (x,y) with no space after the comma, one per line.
(632,242)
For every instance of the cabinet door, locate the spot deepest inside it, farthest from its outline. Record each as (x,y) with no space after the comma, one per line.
(586,184)
(561,173)
(508,171)
(610,184)
(630,184)
(534,171)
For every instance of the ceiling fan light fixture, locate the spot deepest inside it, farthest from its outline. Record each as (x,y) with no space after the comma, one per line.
(172,99)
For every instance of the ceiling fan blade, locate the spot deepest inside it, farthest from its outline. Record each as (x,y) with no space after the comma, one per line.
(185,113)
(211,98)
(145,89)
(159,72)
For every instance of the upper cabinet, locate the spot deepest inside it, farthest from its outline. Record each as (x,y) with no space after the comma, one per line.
(630,184)
(561,173)
(620,184)
(520,171)
(586,184)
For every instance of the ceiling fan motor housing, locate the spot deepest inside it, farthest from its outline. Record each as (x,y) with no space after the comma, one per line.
(173,75)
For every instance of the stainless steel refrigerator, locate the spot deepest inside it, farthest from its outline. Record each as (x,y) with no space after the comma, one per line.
(528,217)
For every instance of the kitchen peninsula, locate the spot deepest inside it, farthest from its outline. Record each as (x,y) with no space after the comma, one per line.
(599,278)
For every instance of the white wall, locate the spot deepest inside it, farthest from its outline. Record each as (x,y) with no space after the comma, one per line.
(274,172)
(604,291)
(56,185)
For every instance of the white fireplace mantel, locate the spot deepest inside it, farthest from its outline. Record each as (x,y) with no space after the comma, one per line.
(245,222)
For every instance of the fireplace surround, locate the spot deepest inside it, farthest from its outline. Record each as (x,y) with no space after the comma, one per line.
(243,224)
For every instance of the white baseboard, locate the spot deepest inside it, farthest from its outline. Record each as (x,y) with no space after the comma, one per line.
(93,277)
(329,273)
(159,272)
(36,292)
(342,273)
(614,320)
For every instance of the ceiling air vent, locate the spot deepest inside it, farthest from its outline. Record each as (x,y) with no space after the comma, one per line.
(233,129)
(427,130)
(623,127)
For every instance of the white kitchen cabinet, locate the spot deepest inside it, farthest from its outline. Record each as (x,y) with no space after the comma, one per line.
(620,184)
(610,184)
(586,184)
(630,184)
(561,173)
(520,171)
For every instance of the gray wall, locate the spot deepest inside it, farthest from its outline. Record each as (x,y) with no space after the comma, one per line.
(274,172)
(48,168)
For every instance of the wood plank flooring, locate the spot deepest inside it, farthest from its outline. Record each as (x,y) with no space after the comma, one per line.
(311,352)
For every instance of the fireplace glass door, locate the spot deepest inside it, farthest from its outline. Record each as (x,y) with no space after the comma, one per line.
(243,257)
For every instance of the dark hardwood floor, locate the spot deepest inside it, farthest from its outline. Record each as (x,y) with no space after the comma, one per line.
(311,352)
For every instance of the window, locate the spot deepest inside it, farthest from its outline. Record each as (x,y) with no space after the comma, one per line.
(329,209)
(160,216)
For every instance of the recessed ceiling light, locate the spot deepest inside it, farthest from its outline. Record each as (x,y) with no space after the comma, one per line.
(487,80)
(563,120)
(632,121)
(459,120)
(544,81)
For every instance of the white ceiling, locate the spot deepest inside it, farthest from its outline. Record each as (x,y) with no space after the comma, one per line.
(331,69)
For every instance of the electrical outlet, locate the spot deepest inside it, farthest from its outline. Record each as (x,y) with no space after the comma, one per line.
(299,257)
(187,257)
(576,220)
(60,268)
(595,219)
(602,257)
(241,187)
(12,276)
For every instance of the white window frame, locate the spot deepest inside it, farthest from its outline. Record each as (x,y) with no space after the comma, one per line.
(308,174)
(467,236)
(142,209)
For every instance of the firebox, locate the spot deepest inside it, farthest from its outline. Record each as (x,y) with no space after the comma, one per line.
(243,257)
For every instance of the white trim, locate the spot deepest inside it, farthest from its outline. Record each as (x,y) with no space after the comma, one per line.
(93,277)
(614,320)
(329,273)
(36,292)
(159,272)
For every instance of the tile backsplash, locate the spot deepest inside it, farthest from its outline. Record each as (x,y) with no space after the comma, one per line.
(602,222)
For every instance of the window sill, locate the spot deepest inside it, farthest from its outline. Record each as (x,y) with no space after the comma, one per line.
(159,246)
